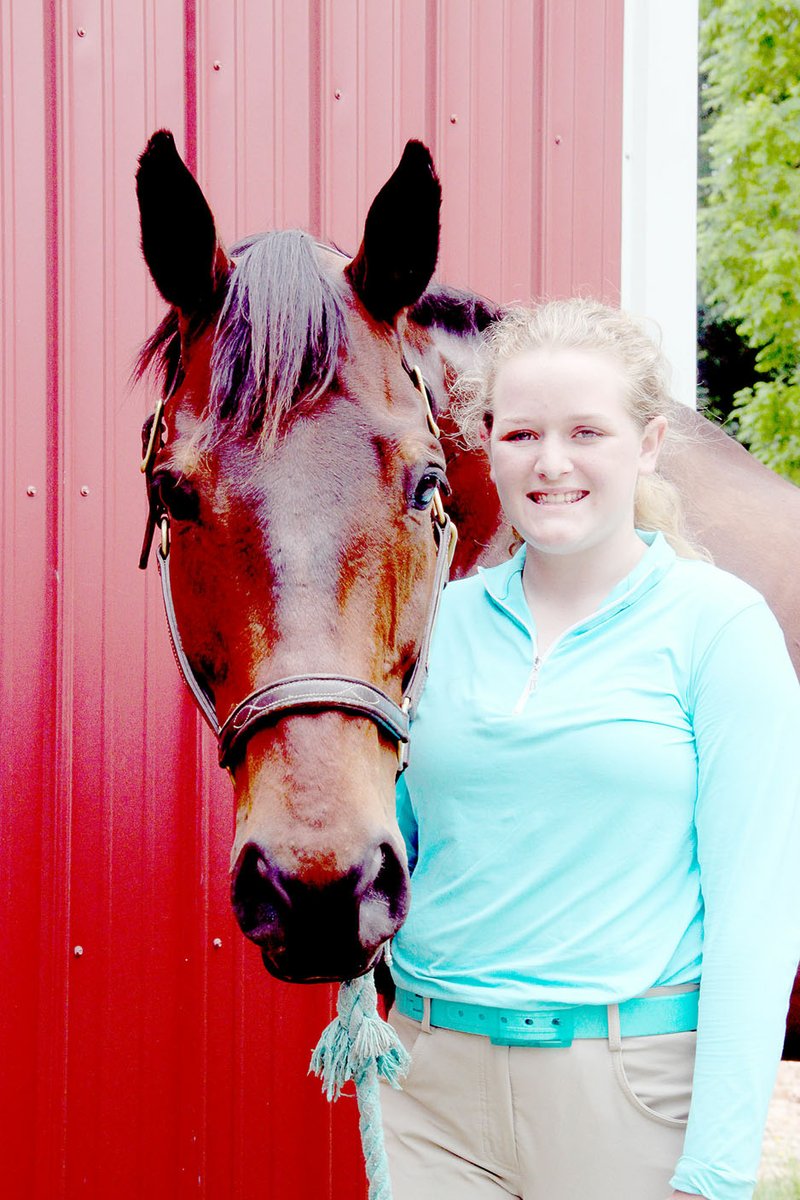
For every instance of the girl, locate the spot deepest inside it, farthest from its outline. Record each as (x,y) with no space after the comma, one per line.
(601,815)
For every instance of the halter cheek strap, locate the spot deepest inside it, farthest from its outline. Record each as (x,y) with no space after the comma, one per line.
(302,693)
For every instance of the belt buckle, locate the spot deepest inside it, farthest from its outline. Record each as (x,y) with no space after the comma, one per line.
(546,1028)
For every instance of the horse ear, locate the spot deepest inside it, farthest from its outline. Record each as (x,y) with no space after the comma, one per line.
(401,237)
(179,239)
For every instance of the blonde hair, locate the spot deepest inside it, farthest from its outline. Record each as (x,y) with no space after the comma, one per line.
(583,324)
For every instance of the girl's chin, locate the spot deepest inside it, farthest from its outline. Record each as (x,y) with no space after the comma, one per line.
(553,543)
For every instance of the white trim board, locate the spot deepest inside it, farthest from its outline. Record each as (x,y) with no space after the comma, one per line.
(659,178)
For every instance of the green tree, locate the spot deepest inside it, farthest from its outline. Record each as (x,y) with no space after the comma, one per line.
(749,220)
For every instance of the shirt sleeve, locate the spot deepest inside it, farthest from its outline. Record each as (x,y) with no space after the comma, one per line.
(406,819)
(746,712)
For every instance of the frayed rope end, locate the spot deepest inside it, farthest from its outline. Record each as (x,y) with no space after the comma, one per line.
(356,1040)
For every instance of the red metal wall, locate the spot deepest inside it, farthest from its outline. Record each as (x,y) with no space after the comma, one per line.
(138,1059)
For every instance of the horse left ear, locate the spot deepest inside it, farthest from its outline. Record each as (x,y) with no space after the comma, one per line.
(401,237)
(179,238)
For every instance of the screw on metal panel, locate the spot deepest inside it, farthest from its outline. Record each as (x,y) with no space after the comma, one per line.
(78,951)
(30,490)
(337,95)
(217,64)
(84,490)
(81,32)
(217,943)
(453,118)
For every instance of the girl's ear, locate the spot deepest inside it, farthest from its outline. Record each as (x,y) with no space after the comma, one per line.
(652,440)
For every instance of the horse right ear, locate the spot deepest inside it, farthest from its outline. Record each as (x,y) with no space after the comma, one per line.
(398,255)
(179,238)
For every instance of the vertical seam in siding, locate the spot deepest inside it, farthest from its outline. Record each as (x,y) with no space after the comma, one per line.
(58,87)
(190,83)
(316,76)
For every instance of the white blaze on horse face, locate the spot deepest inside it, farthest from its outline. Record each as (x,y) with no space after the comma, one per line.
(566,454)
(315,790)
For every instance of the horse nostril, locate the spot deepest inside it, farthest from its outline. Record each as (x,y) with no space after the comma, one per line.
(384,899)
(257,895)
(390,881)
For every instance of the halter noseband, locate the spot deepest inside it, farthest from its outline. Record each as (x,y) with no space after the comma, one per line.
(301,693)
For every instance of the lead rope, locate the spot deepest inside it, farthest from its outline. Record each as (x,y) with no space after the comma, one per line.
(359,1045)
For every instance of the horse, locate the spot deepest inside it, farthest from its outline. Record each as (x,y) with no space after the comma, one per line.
(294,467)
(293,470)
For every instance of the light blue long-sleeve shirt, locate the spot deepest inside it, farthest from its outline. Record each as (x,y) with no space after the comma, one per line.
(623,814)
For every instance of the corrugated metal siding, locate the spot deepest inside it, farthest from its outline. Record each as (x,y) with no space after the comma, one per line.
(153,1064)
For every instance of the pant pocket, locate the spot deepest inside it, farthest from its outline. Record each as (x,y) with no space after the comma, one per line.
(413,1038)
(655,1073)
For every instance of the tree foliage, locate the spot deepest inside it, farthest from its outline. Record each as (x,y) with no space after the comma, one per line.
(749,221)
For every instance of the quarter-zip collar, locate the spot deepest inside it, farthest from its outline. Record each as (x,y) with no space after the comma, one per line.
(503,584)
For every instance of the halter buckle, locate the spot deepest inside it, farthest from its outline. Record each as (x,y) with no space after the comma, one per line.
(402,747)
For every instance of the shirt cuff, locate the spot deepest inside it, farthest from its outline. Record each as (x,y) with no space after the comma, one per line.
(710,1182)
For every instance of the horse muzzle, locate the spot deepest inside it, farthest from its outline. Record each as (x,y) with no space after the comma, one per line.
(320,930)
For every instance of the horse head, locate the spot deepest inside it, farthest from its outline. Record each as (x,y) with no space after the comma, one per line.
(293,471)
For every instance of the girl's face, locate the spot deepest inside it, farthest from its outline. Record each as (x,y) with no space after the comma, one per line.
(566,452)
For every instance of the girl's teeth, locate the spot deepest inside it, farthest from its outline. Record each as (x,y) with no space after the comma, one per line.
(557,497)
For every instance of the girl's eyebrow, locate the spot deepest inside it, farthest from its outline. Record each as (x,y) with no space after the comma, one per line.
(568,419)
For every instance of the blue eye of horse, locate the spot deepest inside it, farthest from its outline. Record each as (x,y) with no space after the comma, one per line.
(426,487)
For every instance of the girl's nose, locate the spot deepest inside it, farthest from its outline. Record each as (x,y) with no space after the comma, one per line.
(553,459)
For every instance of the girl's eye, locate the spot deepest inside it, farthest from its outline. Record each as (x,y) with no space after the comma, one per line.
(177,495)
(585,435)
(426,487)
(519,435)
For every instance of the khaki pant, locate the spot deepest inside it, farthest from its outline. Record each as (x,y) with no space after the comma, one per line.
(603,1118)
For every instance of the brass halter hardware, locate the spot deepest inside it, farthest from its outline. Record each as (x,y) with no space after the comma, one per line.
(155,437)
(302,692)
(421,386)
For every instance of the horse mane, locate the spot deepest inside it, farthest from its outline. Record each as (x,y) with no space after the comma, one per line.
(455,311)
(278,337)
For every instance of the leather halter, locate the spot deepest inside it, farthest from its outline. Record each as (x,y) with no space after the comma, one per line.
(301,693)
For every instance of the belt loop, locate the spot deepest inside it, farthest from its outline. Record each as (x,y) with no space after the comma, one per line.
(426,1014)
(614,1037)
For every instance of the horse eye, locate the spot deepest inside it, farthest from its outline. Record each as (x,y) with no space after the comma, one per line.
(177,495)
(426,487)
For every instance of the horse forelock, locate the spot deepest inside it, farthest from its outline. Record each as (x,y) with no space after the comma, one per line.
(278,338)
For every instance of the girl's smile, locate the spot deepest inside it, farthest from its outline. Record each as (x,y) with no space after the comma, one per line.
(557,497)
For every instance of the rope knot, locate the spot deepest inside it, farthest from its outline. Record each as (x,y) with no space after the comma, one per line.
(359,1045)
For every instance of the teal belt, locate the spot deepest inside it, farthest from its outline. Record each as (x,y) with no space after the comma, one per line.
(645,1016)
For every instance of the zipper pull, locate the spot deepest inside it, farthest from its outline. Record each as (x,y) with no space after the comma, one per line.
(530,686)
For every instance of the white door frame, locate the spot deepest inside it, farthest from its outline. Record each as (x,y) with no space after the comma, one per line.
(659,178)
